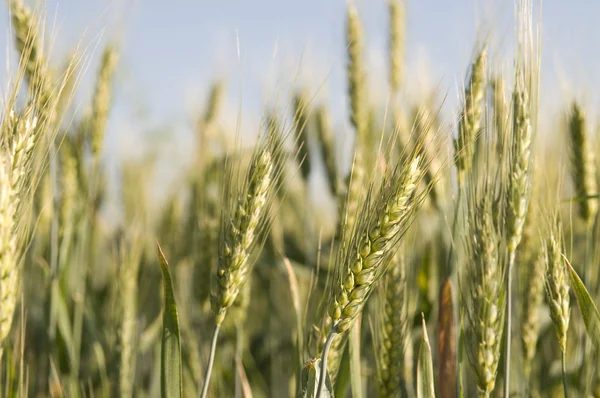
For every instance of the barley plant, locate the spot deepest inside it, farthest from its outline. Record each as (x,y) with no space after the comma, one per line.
(387,238)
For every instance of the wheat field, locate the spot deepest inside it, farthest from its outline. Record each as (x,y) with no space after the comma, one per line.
(459,255)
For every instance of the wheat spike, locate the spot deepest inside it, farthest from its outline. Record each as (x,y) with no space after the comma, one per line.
(519,181)
(534,294)
(392,329)
(69,187)
(367,256)
(356,75)
(484,307)
(27,38)
(326,138)
(354,197)
(397,23)
(500,114)
(242,233)
(470,121)
(557,284)
(16,174)
(207,125)
(302,125)
(102,99)
(363,258)
(583,167)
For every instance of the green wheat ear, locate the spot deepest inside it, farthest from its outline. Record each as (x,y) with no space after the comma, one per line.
(397,26)
(533,297)
(245,221)
(483,312)
(241,233)
(29,46)
(520,167)
(364,257)
(583,166)
(392,328)
(356,75)
(365,260)
(102,99)
(557,283)
(17,172)
(470,121)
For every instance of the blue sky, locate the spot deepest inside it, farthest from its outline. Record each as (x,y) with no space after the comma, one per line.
(171,51)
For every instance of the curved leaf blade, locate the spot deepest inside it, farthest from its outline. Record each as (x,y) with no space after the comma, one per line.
(170,370)
(425,384)
(588,308)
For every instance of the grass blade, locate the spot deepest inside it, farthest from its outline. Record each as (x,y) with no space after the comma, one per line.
(295,295)
(425,386)
(170,373)
(588,308)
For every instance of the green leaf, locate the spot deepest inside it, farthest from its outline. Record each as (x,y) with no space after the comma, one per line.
(63,320)
(425,385)
(170,373)
(590,314)
(295,295)
(310,379)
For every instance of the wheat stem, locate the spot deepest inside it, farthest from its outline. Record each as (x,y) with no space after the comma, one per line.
(564,372)
(450,271)
(511,263)
(449,261)
(323,374)
(239,351)
(211,361)
(584,274)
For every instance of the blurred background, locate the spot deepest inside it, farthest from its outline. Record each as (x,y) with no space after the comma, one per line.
(171,52)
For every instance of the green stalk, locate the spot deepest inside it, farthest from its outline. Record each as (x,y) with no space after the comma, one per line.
(449,273)
(511,262)
(323,374)
(211,361)
(239,351)
(449,262)
(86,248)
(53,247)
(79,310)
(564,372)
(584,360)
